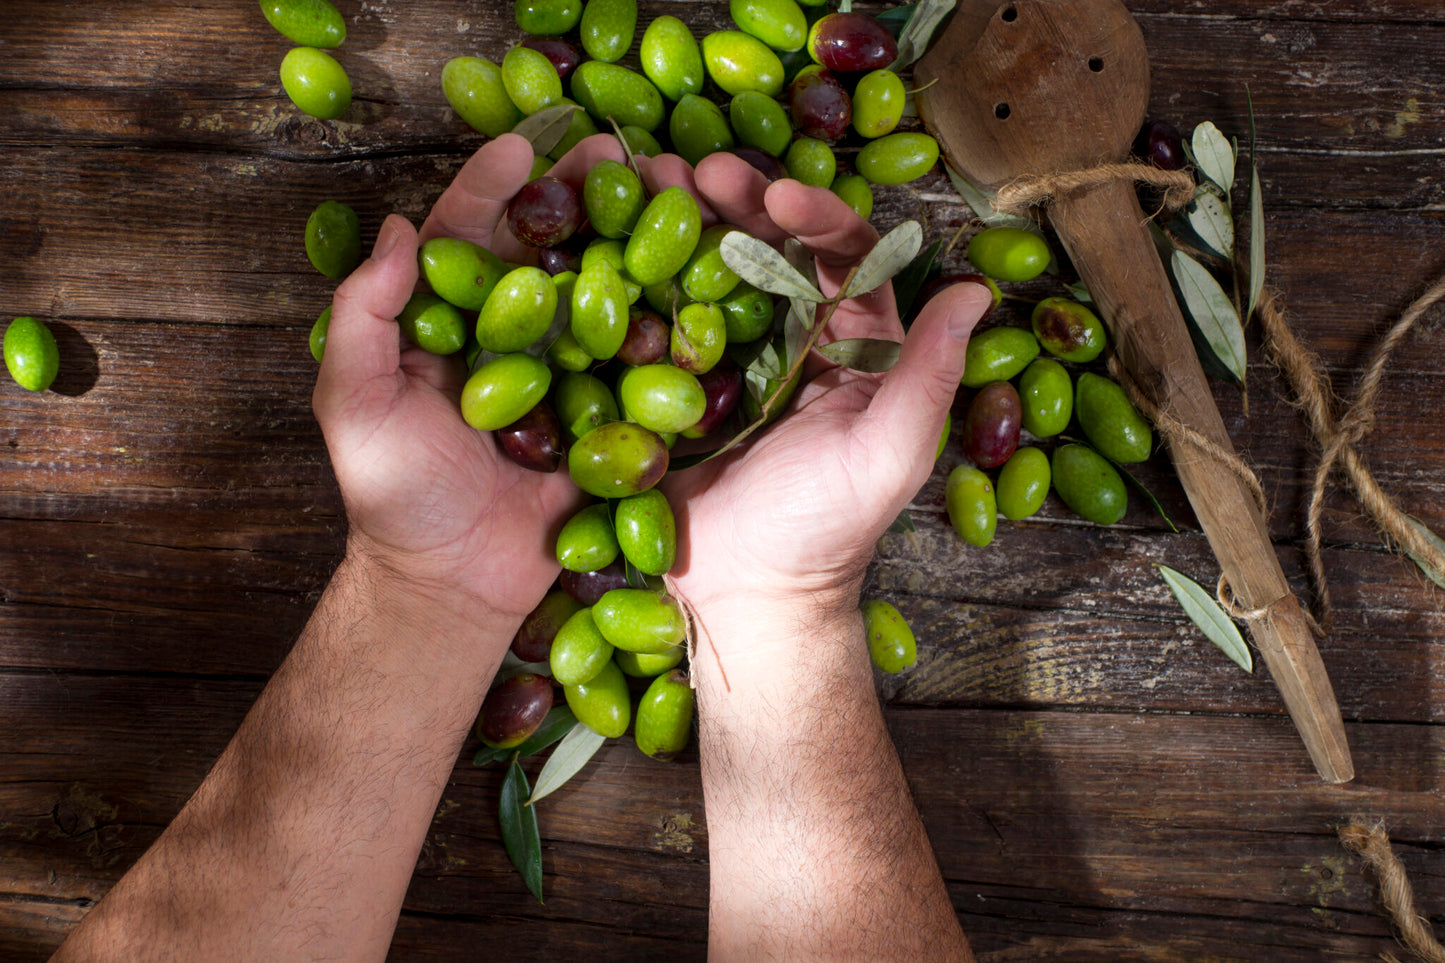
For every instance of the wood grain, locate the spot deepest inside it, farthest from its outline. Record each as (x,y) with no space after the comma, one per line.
(1100,783)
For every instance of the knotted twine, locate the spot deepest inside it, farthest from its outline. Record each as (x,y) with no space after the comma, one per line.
(1302,368)
(1371,844)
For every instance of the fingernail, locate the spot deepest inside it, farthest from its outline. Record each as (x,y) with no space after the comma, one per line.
(386,240)
(968,310)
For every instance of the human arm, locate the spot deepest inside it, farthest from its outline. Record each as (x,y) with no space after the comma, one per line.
(815,847)
(302,838)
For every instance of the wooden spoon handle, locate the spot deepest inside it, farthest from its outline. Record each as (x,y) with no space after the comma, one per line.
(1107,236)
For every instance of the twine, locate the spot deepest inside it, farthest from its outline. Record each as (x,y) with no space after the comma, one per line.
(1029,190)
(1338,439)
(1371,844)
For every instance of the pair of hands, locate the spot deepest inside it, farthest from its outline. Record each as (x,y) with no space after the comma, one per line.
(790,518)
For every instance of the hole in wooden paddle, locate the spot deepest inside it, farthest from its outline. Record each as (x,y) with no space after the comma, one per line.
(1009,14)
(1096,64)
(1001,111)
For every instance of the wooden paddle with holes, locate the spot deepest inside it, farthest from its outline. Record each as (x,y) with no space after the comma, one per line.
(1050,86)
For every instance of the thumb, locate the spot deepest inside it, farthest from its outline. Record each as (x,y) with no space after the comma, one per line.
(906,415)
(363,342)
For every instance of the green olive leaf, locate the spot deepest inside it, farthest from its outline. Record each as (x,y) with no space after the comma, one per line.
(910,281)
(1212,311)
(519,828)
(759,357)
(546,128)
(558,723)
(796,326)
(891,254)
(757,263)
(1256,240)
(903,524)
(574,751)
(802,261)
(1213,155)
(862,354)
(896,18)
(1430,571)
(1079,292)
(982,205)
(1206,614)
(913,41)
(1212,223)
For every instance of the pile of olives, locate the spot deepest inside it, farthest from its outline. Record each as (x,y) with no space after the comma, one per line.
(311,77)
(778,91)
(1022,395)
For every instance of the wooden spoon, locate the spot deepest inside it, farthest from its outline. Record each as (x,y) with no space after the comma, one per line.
(1048,86)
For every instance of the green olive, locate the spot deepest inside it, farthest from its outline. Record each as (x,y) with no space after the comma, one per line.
(640,620)
(599,310)
(737,61)
(582,402)
(640,141)
(698,128)
(972,506)
(607,28)
(661,397)
(1112,423)
(333,239)
(997,355)
(878,103)
(1023,483)
(1009,253)
(647,532)
(503,390)
(310,23)
(1047,394)
(811,161)
(432,324)
(568,355)
(664,715)
(698,338)
(319,329)
(666,235)
(640,665)
(459,271)
(474,88)
(315,82)
(897,158)
(547,18)
(530,80)
(671,59)
(614,252)
(778,23)
(891,644)
(518,311)
(609,90)
(587,541)
(614,198)
(1088,484)
(760,121)
(31,354)
(579,652)
(855,192)
(706,277)
(747,313)
(602,702)
(1066,329)
(615,460)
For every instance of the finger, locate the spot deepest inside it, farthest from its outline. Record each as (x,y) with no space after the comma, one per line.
(898,434)
(668,170)
(362,341)
(589,152)
(822,220)
(476,200)
(734,189)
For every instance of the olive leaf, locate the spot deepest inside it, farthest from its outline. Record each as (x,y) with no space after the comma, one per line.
(558,723)
(896,18)
(909,282)
(913,41)
(1212,311)
(757,263)
(1430,571)
(1079,291)
(1212,223)
(759,357)
(1206,614)
(802,260)
(1144,490)
(1256,220)
(1213,155)
(903,524)
(891,254)
(546,128)
(982,206)
(574,751)
(796,326)
(519,828)
(862,354)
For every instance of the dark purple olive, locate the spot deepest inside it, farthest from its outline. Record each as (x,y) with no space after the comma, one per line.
(851,42)
(558,260)
(991,425)
(647,340)
(1161,144)
(723,386)
(766,163)
(545,212)
(533,641)
(534,440)
(563,55)
(514,710)
(819,105)
(588,587)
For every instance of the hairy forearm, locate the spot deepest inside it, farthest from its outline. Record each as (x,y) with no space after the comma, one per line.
(815,845)
(301,841)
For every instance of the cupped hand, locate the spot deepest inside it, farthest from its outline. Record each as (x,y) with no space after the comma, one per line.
(426,494)
(795,512)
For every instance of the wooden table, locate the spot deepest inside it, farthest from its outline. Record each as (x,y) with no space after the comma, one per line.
(1100,783)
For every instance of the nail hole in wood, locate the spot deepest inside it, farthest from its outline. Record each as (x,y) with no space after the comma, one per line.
(1096,64)
(1009,14)
(1001,111)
